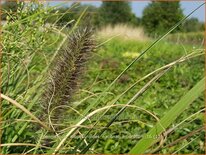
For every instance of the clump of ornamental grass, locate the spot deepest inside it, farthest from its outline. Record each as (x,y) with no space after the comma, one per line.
(66,72)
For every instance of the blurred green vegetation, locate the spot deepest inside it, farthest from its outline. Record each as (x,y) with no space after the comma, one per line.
(115,55)
(193,25)
(193,38)
(157,17)
(116,13)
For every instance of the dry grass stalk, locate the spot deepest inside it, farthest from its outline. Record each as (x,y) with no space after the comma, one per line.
(123,31)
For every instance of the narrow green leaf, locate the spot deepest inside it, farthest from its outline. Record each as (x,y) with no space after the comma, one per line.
(150,138)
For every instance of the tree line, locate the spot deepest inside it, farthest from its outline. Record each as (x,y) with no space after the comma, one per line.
(157,17)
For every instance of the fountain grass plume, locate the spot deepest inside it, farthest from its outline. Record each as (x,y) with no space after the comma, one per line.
(66,71)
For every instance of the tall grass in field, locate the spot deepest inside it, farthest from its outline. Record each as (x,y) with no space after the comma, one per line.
(43,112)
(124,31)
(194,38)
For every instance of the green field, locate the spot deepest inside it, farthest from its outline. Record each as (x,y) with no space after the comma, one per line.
(113,57)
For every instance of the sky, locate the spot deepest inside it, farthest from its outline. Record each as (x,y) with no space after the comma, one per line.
(138,7)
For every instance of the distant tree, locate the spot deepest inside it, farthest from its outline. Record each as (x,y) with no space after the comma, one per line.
(158,17)
(8,6)
(116,12)
(193,25)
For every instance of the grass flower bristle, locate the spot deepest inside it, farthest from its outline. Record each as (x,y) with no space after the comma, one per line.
(66,70)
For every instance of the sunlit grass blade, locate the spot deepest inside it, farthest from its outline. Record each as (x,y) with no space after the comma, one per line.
(24,110)
(57,20)
(22,144)
(148,140)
